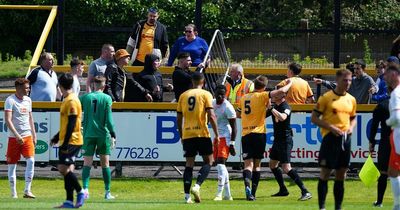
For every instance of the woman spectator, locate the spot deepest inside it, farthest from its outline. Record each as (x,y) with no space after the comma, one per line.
(191,43)
(151,79)
(117,80)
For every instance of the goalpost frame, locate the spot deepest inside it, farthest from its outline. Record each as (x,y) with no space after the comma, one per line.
(46,29)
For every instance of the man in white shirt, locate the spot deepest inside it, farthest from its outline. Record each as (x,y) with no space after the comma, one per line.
(225,145)
(21,135)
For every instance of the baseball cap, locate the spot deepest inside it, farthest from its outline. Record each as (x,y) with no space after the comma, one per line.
(393,59)
(120,54)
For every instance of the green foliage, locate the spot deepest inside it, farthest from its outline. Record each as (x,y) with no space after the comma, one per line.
(367,52)
(27,55)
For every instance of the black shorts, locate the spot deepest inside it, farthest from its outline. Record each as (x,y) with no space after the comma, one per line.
(67,156)
(335,152)
(253,146)
(281,150)
(194,146)
(383,154)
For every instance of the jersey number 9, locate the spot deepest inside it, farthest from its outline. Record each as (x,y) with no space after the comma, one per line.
(191,102)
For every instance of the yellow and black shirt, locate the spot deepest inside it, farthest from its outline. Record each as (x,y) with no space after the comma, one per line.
(71,106)
(337,110)
(193,105)
(253,108)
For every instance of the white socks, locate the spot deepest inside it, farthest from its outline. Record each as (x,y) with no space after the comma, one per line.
(12,178)
(395,182)
(29,171)
(223,180)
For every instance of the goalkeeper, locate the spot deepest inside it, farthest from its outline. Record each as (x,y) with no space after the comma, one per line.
(98,134)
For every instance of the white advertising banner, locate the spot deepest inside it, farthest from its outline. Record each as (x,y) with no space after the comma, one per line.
(153,136)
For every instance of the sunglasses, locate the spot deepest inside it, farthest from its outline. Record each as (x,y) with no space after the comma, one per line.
(188,31)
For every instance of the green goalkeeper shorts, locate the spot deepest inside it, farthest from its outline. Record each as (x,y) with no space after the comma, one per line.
(101,145)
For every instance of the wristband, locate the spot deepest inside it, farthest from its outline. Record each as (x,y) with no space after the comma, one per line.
(232,143)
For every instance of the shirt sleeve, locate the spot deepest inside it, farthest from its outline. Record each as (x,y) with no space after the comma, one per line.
(282,83)
(92,69)
(286,109)
(208,100)
(109,121)
(309,91)
(173,53)
(30,104)
(8,104)
(72,108)
(230,111)
(321,105)
(353,112)
(179,108)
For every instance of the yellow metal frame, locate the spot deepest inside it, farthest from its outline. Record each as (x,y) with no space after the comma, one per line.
(46,29)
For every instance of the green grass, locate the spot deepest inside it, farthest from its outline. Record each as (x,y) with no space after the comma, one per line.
(168,194)
(14,69)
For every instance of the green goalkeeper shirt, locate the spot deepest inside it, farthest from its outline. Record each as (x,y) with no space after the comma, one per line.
(97,115)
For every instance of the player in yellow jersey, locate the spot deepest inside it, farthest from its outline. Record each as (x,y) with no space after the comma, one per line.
(335,114)
(194,110)
(69,140)
(253,108)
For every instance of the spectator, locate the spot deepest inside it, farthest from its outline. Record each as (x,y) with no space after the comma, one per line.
(148,36)
(117,78)
(191,43)
(396,48)
(362,85)
(300,92)
(43,80)
(332,85)
(76,72)
(151,79)
(236,84)
(98,66)
(182,76)
(381,89)
(393,60)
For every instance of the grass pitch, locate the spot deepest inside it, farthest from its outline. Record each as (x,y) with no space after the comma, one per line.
(168,194)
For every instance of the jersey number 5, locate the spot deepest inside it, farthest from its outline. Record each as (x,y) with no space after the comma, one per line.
(191,102)
(247,108)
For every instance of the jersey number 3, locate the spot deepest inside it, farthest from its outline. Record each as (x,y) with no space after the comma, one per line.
(191,102)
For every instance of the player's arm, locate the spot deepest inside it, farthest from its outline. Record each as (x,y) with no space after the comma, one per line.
(278,115)
(394,118)
(10,125)
(110,123)
(33,131)
(315,118)
(179,121)
(89,81)
(281,91)
(72,118)
(213,120)
(232,123)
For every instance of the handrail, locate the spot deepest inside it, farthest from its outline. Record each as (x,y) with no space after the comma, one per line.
(249,70)
(172,106)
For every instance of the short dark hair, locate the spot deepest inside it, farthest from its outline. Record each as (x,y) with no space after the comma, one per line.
(381,65)
(220,88)
(183,55)
(393,68)
(197,76)
(350,67)
(343,72)
(260,82)
(360,62)
(76,61)
(20,81)
(99,79)
(65,81)
(295,68)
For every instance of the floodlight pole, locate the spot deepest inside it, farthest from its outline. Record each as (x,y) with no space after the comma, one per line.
(336,32)
(60,32)
(197,18)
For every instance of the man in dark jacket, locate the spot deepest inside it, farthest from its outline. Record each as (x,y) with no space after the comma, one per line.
(150,78)
(148,36)
(117,80)
(182,76)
